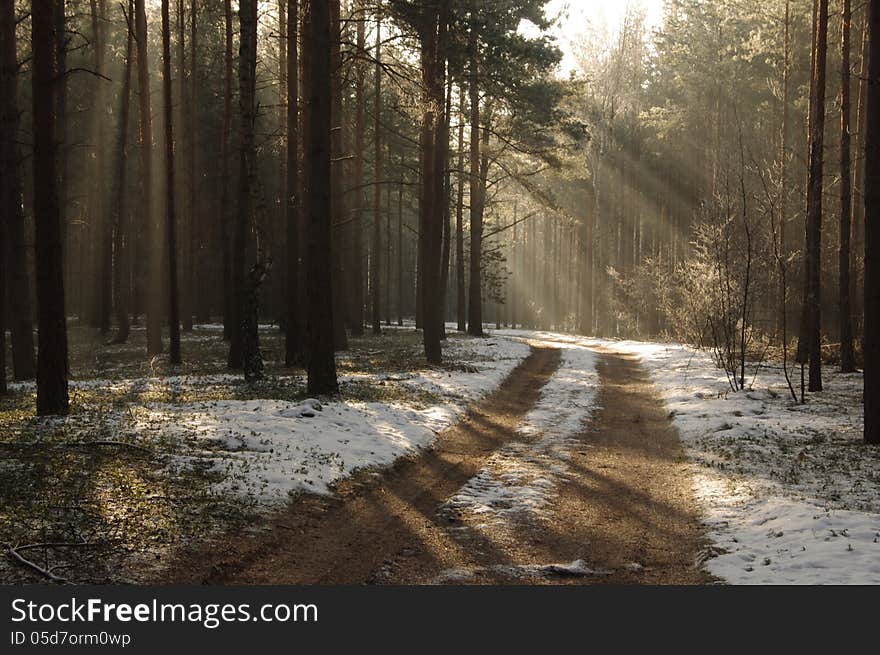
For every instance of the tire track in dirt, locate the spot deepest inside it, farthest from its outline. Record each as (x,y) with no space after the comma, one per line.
(377,519)
(625,514)
(631,507)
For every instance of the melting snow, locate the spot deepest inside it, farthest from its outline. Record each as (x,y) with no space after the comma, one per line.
(519,480)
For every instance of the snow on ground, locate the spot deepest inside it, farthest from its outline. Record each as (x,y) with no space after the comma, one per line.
(267,449)
(575,569)
(791,494)
(519,480)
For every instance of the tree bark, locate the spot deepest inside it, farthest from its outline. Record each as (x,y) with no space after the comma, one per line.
(434,163)
(226,216)
(317,50)
(194,261)
(812,304)
(153,249)
(782,246)
(475,295)
(443,156)
(376,256)
(847,354)
(8,161)
(294,355)
(872,232)
(461,300)
(338,194)
(400,245)
(119,206)
(17,284)
(247,89)
(102,233)
(52,395)
(170,214)
(356,265)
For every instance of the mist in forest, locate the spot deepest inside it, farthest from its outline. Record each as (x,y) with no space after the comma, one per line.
(703,174)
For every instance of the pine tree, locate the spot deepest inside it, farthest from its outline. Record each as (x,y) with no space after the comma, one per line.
(170,214)
(872,232)
(317,50)
(52,394)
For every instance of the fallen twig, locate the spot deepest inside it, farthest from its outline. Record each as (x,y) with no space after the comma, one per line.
(83,544)
(13,554)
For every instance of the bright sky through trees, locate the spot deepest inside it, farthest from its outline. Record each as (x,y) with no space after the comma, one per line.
(575,15)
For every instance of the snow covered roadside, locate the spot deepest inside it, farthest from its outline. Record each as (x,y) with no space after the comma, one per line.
(519,480)
(790,494)
(265,450)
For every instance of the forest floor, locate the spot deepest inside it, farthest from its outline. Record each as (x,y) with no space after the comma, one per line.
(465,511)
(528,457)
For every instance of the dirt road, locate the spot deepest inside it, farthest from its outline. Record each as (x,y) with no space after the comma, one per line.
(626,513)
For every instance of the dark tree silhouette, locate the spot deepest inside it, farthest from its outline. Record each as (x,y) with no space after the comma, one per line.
(847,354)
(872,232)
(317,50)
(119,207)
(153,229)
(810,346)
(52,396)
(170,214)
(376,249)
(294,354)
(17,286)
(247,65)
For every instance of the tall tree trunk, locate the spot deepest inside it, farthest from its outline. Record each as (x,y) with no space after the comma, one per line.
(388,251)
(170,216)
(9,197)
(59,18)
(376,256)
(446,207)
(197,233)
(847,355)
(337,138)
(280,302)
(119,207)
(182,173)
(475,295)
(17,284)
(356,263)
(226,217)
(400,245)
(52,395)
(872,232)
(154,277)
(812,305)
(317,48)
(102,232)
(294,354)
(247,65)
(782,246)
(434,163)
(858,204)
(461,302)
(3,388)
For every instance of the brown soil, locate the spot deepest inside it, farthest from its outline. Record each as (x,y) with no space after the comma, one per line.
(630,507)
(627,509)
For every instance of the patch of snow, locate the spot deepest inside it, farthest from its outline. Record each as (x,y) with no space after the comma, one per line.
(519,480)
(268,449)
(790,493)
(576,569)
